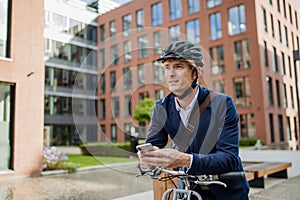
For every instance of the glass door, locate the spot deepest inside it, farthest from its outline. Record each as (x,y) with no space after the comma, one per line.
(6,124)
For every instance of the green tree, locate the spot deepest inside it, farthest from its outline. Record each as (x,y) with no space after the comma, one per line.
(142,111)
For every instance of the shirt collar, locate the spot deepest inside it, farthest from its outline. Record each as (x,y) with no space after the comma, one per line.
(179,108)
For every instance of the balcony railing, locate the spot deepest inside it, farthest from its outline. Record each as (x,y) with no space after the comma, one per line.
(70,92)
(73,66)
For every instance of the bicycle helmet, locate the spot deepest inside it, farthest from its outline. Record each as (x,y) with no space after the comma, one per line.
(183,50)
(186,50)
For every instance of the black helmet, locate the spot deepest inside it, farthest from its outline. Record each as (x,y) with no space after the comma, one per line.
(183,50)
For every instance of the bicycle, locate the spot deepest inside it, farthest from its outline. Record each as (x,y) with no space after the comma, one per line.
(186,193)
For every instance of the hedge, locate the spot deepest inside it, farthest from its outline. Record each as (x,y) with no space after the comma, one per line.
(106,149)
(247,141)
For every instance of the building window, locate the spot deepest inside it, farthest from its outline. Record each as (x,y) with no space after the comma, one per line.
(271,124)
(140,19)
(159,94)
(113,80)
(193,6)
(282,65)
(237,20)
(141,74)
(175,9)
(279,31)
(192,30)
(274,60)
(102,108)
(102,58)
(5,19)
(174,33)
(158,72)
(266,57)
(102,83)
(288,128)
(296,19)
(247,125)
(217,60)
(270,90)
(215,26)
(242,54)
(280,128)
(272,25)
(157,14)
(115,107)
(157,43)
(114,53)
(6,125)
(290,67)
(285,102)
(278,93)
(112,29)
(126,24)
(264,17)
(91,33)
(213,3)
(102,33)
(219,86)
(242,95)
(102,131)
(284,7)
(143,95)
(113,132)
(278,5)
(286,36)
(292,97)
(295,128)
(127,78)
(127,106)
(143,47)
(127,51)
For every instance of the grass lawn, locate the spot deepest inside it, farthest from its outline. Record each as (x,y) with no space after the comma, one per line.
(93,160)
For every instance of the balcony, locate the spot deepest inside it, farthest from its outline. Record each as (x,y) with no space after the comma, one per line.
(67,120)
(70,92)
(72,66)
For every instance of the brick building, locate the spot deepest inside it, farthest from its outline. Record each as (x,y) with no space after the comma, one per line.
(249,56)
(21,87)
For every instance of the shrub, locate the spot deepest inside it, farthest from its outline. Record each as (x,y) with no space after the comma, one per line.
(106,149)
(54,159)
(247,141)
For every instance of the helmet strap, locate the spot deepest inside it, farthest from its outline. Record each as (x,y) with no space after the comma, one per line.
(188,91)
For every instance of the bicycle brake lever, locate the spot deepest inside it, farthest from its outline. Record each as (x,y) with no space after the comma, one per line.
(206,183)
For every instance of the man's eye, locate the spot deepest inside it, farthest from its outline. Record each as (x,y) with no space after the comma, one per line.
(179,67)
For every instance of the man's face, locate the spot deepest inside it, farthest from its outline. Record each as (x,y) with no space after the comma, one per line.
(178,75)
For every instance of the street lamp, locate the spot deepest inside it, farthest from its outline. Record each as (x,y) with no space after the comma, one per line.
(296,56)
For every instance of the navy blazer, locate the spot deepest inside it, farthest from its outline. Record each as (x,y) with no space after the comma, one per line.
(219,116)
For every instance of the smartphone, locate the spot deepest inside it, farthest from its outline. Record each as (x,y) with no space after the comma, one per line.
(145,147)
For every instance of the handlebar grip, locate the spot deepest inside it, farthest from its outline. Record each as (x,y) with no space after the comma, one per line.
(232,175)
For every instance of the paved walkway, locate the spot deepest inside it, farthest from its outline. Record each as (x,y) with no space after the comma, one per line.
(118,182)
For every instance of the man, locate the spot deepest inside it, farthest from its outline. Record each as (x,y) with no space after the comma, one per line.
(210,145)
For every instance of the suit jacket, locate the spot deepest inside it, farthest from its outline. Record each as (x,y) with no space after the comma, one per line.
(220,117)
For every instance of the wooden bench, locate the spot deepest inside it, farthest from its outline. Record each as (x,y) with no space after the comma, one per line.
(262,169)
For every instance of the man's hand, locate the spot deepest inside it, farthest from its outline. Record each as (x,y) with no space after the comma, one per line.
(166,158)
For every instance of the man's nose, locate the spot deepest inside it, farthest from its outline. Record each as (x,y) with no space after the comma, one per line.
(172,71)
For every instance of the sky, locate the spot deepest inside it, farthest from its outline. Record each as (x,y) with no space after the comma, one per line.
(118,1)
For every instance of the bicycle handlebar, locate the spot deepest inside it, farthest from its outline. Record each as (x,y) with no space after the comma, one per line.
(232,175)
(203,180)
(156,171)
